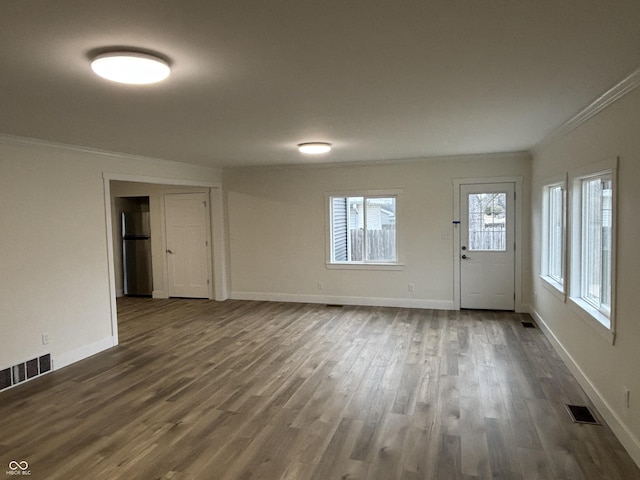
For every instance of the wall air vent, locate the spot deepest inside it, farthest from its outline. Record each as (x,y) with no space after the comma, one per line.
(12,376)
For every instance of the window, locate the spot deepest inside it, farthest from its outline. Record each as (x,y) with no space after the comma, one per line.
(554,234)
(595,271)
(487,222)
(363,229)
(592,257)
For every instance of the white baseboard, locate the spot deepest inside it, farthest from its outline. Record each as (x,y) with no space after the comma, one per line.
(619,428)
(62,360)
(159,294)
(343,300)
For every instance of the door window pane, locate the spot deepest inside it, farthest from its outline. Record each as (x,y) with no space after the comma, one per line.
(488,221)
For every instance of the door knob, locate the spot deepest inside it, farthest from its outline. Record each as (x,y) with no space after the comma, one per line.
(169,251)
(464,257)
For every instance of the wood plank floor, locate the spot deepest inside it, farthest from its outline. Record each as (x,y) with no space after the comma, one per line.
(257,390)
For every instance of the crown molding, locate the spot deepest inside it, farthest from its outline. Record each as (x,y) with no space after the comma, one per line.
(616,92)
(16,140)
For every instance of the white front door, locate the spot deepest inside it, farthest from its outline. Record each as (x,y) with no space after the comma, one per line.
(487,246)
(187,243)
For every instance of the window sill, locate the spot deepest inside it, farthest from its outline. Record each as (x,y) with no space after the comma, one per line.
(599,322)
(365,266)
(555,288)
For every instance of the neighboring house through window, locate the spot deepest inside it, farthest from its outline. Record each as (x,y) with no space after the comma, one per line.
(363,229)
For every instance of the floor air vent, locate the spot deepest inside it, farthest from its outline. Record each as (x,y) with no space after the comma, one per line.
(528,325)
(581,414)
(22,372)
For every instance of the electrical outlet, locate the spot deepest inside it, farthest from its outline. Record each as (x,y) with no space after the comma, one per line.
(627,397)
(412,287)
(320,286)
(45,338)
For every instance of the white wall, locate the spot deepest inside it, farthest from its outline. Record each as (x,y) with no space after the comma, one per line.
(602,368)
(277,229)
(53,256)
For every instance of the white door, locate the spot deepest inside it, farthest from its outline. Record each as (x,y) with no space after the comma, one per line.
(487,246)
(187,243)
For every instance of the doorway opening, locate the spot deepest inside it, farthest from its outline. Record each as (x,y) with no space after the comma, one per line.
(133,193)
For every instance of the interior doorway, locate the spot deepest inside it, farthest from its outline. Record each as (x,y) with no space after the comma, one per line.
(124,185)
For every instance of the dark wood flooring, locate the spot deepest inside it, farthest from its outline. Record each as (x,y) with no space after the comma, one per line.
(272,391)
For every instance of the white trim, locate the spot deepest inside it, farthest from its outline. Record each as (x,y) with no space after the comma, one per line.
(218,245)
(113,309)
(397,194)
(574,246)
(217,232)
(517,154)
(344,300)
(365,265)
(616,92)
(629,441)
(558,180)
(59,361)
(124,177)
(8,139)
(518,184)
(364,193)
(553,287)
(592,317)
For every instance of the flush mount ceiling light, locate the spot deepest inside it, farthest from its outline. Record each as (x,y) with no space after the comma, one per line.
(130,67)
(314,148)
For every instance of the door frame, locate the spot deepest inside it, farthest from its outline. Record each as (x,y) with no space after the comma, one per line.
(518,183)
(217,235)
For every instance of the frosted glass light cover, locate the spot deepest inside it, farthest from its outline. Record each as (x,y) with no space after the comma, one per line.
(314,148)
(130,67)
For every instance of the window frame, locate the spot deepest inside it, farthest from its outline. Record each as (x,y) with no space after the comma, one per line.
(602,318)
(364,264)
(558,284)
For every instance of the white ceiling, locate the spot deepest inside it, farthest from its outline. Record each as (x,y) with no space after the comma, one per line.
(380,79)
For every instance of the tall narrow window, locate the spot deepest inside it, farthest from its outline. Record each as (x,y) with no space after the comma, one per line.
(554,234)
(363,229)
(592,244)
(596,242)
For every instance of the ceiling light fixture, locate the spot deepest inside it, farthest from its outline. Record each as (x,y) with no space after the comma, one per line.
(314,148)
(130,67)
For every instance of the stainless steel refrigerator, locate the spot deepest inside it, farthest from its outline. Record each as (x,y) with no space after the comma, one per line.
(136,252)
